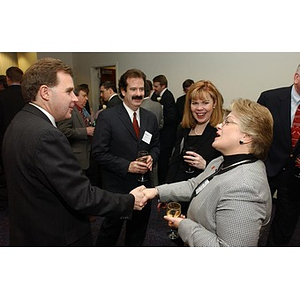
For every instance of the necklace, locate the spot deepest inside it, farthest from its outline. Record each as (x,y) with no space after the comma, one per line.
(196,131)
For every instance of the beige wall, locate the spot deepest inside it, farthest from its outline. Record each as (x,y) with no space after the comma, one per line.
(236,74)
(19,59)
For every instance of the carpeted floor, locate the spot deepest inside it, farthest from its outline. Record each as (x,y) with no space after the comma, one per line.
(156,235)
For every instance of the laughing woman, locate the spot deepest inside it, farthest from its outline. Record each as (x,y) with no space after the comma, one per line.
(231,199)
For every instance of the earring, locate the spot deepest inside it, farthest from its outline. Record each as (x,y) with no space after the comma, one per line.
(241,142)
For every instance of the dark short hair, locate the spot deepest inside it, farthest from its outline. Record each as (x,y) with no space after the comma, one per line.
(132,73)
(81,87)
(148,88)
(162,79)
(15,74)
(109,85)
(187,83)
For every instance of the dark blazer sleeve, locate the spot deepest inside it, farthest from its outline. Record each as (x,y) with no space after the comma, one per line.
(61,174)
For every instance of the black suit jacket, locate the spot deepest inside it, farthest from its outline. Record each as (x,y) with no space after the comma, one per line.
(11,102)
(47,193)
(115,145)
(278,101)
(168,132)
(115,100)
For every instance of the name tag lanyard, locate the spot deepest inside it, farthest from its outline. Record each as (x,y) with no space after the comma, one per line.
(220,170)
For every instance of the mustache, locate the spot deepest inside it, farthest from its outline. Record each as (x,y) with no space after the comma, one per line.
(137,98)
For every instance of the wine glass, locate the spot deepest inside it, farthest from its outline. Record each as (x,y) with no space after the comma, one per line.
(173,210)
(190,169)
(142,156)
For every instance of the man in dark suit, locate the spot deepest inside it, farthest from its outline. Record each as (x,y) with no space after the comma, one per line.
(181,100)
(11,101)
(115,147)
(108,93)
(282,103)
(168,132)
(48,196)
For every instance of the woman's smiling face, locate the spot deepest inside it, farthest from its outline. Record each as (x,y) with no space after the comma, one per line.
(202,108)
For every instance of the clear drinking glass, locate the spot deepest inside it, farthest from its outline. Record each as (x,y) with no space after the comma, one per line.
(142,156)
(190,169)
(173,210)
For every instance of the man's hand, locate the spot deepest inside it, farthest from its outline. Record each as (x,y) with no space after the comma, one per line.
(140,167)
(174,222)
(139,199)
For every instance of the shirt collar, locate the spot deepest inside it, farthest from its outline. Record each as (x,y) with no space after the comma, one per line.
(130,112)
(50,117)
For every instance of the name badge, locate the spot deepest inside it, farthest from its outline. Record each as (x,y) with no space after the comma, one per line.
(147,137)
(201,187)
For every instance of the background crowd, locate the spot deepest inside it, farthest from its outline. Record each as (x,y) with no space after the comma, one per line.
(190,142)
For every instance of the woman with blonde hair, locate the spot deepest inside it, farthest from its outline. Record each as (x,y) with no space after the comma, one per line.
(193,148)
(231,199)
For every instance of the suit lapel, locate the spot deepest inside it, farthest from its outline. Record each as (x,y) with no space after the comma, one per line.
(125,119)
(284,111)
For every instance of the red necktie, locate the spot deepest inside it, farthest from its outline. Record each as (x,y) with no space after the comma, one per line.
(136,125)
(295,129)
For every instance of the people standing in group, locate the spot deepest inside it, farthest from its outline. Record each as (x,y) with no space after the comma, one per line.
(121,132)
(11,102)
(78,129)
(157,109)
(282,162)
(196,133)
(181,100)
(168,133)
(230,201)
(49,197)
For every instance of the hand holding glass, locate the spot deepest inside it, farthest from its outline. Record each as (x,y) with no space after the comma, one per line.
(190,169)
(173,210)
(142,156)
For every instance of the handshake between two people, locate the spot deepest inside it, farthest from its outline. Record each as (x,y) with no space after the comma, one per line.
(142,195)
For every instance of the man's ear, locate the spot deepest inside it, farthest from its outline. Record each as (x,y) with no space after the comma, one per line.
(123,92)
(44,92)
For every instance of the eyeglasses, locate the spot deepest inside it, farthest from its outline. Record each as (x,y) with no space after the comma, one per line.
(226,122)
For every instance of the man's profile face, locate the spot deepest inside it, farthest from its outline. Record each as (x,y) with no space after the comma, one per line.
(62,98)
(157,87)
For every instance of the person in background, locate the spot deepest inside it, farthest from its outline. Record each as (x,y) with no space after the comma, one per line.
(281,163)
(108,93)
(87,107)
(203,111)
(11,102)
(181,100)
(3,83)
(231,199)
(78,129)
(49,197)
(157,109)
(122,131)
(168,133)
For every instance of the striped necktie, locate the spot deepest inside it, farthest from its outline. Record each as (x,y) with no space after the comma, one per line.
(295,129)
(136,125)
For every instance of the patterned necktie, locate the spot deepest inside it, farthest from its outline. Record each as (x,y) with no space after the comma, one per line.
(136,125)
(295,129)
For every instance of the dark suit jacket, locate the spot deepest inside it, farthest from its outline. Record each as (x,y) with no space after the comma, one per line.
(75,130)
(180,107)
(115,100)
(168,132)
(278,101)
(47,193)
(115,145)
(11,102)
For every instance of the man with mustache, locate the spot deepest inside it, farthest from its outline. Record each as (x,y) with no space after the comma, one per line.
(120,133)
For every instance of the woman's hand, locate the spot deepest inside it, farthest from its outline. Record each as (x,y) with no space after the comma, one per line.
(174,222)
(195,160)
